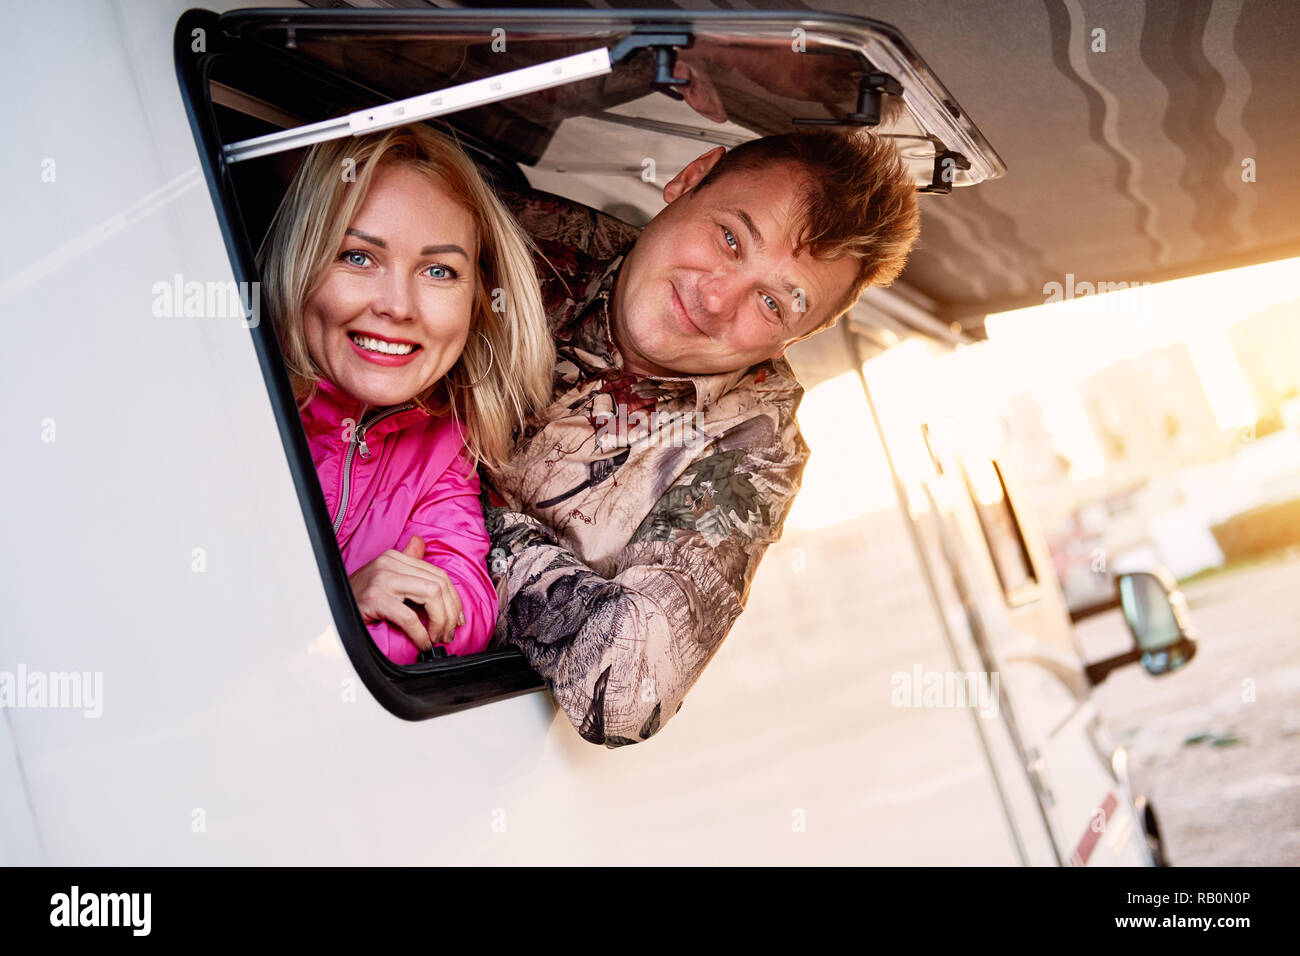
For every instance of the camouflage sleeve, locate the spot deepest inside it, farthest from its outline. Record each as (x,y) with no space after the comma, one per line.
(619,654)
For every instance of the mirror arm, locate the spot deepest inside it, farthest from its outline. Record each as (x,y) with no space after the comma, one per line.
(1097,671)
(1086,612)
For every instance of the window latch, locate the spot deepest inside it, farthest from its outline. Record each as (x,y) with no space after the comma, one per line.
(664,45)
(872,88)
(946,163)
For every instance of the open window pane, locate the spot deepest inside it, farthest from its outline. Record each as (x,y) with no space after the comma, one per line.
(752,74)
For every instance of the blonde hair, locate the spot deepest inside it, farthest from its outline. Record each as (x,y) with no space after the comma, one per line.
(509,379)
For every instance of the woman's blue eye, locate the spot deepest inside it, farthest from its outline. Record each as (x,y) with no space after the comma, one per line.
(447,272)
(352,255)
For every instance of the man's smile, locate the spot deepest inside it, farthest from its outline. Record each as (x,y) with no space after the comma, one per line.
(681,315)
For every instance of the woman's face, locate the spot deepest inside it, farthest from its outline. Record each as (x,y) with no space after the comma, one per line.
(393,311)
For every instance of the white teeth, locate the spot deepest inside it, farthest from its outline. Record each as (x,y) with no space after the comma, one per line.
(378,345)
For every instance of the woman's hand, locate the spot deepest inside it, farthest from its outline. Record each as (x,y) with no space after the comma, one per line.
(384,585)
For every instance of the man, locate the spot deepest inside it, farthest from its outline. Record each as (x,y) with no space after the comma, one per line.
(632,516)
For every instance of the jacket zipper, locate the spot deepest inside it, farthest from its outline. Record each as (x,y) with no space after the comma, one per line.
(359,442)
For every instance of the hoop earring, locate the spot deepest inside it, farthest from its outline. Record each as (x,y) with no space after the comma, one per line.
(492,358)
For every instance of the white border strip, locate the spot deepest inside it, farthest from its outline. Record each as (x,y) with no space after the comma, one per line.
(492,89)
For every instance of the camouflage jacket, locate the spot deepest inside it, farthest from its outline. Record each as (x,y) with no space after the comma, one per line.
(631,518)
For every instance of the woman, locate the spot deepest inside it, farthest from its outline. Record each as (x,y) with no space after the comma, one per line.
(407,308)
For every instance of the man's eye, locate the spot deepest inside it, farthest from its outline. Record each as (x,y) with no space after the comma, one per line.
(441,272)
(730,239)
(771,304)
(352,256)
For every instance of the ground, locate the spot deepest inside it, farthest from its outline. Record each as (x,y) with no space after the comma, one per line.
(1216,744)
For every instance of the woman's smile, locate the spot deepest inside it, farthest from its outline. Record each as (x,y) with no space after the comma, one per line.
(381,350)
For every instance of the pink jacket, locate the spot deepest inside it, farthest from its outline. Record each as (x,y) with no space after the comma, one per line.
(388,474)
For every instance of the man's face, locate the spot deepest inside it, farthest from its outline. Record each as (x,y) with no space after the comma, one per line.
(713,285)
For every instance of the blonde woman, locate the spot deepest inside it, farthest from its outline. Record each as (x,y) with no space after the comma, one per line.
(407,308)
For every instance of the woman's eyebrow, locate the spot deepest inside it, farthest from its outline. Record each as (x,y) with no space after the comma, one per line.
(439,250)
(426,251)
(373,240)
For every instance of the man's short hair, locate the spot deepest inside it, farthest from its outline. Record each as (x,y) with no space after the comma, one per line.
(858,200)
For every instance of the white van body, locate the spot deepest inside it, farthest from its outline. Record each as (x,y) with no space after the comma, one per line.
(154,546)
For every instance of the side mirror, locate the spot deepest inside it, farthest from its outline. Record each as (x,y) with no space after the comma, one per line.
(1156,612)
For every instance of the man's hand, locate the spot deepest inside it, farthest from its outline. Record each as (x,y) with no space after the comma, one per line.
(384,585)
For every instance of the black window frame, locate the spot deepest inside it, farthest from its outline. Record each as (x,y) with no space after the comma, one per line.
(426,690)
(415,692)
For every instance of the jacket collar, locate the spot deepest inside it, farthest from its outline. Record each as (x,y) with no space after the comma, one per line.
(332,407)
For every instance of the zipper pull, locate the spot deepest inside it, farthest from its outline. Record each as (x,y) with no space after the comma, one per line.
(359,431)
(360,435)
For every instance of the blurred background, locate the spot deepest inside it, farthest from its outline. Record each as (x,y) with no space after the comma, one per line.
(1182,448)
(1157,425)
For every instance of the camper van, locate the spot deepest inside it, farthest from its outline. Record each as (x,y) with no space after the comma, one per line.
(189,680)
